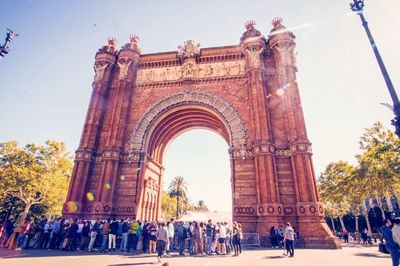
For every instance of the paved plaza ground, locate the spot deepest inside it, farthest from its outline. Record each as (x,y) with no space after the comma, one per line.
(349,255)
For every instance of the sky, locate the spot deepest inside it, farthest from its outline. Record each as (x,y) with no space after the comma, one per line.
(45,80)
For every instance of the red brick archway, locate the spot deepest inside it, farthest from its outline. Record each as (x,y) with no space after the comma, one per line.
(246,93)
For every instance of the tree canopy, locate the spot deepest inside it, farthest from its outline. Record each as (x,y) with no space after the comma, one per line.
(344,188)
(35,174)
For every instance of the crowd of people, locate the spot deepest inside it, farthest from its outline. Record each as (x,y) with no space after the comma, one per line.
(128,235)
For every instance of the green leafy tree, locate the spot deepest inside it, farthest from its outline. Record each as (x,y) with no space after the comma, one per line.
(379,164)
(35,174)
(168,204)
(178,189)
(334,185)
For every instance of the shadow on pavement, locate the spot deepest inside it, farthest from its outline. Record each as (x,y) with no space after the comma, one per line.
(274,257)
(372,255)
(132,264)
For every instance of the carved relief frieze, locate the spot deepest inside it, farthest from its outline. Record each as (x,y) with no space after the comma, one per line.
(192,70)
(237,89)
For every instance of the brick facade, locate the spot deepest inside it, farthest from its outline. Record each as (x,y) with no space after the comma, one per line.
(247,93)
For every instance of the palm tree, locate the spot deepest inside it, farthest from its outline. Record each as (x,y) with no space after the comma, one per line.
(178,189)
(201,206)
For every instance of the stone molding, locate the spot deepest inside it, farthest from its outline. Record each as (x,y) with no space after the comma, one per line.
(235,124)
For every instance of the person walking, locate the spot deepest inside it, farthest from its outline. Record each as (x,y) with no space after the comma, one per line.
(390,243)
(162,239)
(273,235)
(289,240)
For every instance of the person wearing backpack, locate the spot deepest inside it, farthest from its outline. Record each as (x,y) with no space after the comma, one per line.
(182,236)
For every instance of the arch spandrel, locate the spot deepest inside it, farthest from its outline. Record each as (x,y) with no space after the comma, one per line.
(233,122)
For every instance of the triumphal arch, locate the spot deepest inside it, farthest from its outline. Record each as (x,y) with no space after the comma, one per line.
(247,93)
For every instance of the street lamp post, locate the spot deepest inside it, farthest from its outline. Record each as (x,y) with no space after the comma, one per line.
(358,6)
(4,49)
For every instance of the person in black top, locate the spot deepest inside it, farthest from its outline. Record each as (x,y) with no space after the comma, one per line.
(85,236)
(112,237)
(72,235)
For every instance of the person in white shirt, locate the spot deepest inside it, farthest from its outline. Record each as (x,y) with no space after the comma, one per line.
(221,240)
(289,239)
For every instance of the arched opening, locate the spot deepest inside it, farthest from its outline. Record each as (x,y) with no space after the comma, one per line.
(175,122)
(202,158)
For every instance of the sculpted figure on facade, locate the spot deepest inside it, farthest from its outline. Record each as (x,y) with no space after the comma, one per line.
(100,68)
(286,53)
(254,52)
(188,69)
(123,65)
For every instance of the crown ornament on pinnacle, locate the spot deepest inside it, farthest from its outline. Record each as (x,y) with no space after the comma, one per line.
(112,42)
(277,22)
(134,41)
(249,24)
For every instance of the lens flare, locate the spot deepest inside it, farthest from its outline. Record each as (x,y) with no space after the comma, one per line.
(108,186)
(72,206)
(90,196)
(280,92)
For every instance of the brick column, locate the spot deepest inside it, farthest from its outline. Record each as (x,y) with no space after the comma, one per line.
(122,88)
(104,64)
(268,208)
(309,210)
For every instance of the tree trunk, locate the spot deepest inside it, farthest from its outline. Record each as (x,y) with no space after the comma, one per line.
(383,212)
(20,222)
(177,207)
(356,221)
(342,222)
(365,211)
(389,203)
(333,225)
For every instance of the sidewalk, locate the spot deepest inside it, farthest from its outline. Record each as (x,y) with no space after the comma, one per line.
(354,256)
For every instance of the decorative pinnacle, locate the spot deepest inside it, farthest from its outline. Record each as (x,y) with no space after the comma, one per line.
(134,39)
(249,24)
(112,41)
(277,22)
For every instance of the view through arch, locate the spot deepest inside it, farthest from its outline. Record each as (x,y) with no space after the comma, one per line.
(201,157)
